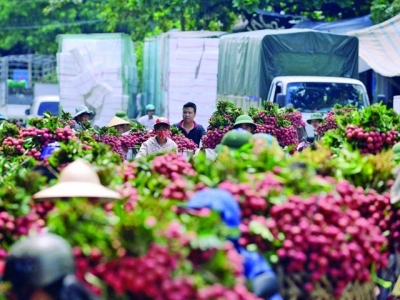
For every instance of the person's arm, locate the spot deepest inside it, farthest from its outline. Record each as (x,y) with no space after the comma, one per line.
(72,288)
(143,151)
(266,285)
(76,126)
(203,133)
(260,274)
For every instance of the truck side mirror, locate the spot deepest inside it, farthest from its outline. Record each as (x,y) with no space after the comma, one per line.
(281,99)
(27,112)
(382,98)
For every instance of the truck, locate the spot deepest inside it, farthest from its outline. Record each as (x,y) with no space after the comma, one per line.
(45,97)
(41,104)
(309,70)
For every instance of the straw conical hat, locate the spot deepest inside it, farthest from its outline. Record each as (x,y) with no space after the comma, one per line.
(117,121)
(78,179)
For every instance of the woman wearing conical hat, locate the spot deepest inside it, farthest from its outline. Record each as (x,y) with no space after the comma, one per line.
(122,126)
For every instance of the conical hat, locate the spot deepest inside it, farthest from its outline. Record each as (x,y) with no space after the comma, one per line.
(78,179)
(115,121)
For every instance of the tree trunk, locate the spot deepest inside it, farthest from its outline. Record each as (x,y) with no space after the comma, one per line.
(182,19)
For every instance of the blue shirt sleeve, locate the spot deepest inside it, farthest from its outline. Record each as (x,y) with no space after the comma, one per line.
(254,264)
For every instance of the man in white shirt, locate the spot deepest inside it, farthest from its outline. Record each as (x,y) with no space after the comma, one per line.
(148,120)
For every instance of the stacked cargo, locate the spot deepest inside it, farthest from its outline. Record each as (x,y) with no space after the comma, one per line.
(180,67)
(97,70)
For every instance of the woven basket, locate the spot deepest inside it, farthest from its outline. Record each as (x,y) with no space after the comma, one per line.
(291,288)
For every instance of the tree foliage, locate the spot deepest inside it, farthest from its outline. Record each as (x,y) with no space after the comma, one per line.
(149,17)
(144,17)
(313,9)
(382,10)
(28,27)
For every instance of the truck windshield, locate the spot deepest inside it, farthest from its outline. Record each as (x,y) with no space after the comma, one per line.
(322,96)
(50,106)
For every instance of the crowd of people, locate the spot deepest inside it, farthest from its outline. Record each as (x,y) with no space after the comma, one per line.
(161,126)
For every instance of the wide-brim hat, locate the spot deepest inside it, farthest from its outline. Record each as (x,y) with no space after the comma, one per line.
(244,119)
(315,116)
(115,121)
(78,180)
(82,109)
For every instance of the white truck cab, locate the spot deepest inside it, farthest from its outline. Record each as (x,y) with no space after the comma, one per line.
(310,94)
(44,103)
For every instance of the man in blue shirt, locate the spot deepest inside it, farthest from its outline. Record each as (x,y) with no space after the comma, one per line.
(264,282)
(188,126)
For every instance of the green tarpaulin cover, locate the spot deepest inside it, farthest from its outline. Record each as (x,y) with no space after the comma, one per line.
(249,61)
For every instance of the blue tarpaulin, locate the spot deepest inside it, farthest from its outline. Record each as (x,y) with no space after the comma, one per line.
(340,26)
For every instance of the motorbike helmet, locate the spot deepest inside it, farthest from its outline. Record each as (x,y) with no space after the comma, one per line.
(49,149)
(161,121)
(150,107)
(234,139)
(121,114)
(38,261)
